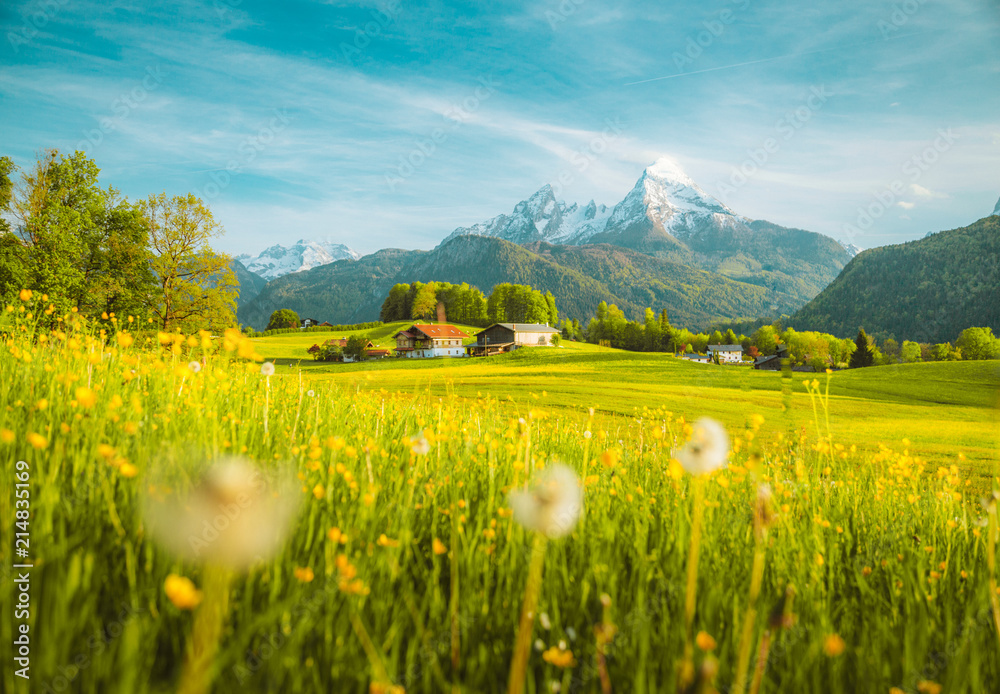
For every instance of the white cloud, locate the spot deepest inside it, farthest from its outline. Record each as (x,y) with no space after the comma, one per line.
(906,205)
(926,192)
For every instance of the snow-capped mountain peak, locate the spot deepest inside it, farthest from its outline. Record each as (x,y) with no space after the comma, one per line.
(669,171)
(542,218)
(303,255)
(667,197)
(851,249)
(996,210)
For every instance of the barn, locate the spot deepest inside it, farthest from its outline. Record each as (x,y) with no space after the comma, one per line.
(503,337)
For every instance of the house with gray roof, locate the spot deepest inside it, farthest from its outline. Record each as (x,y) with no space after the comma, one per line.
(728,354)
(503,337)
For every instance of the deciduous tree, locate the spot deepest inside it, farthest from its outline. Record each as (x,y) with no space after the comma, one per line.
(197,287)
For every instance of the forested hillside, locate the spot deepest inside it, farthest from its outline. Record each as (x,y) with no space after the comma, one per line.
(579,277)
(927,290)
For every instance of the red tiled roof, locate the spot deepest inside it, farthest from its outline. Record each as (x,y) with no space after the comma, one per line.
(438,330)
(378,352)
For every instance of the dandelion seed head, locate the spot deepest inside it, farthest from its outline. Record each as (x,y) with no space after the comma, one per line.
(233,517)
(707,449)
(553,505)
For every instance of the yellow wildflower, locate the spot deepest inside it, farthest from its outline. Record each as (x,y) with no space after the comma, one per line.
(85,397)
(560,657)
(705,641)
(833,645)
(181,592)
(128,470)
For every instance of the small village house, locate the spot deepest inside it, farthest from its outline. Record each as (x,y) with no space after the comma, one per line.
(308,322)
(424,340)
(341,342)
(503,337)
(727,354)
(771,362)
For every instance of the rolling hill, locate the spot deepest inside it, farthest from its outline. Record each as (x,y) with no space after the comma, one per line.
(927,290)
(580,277)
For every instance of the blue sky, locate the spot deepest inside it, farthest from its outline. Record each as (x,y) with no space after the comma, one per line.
(388,124)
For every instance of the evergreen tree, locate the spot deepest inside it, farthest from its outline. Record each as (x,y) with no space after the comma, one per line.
(396,306)
(863,354)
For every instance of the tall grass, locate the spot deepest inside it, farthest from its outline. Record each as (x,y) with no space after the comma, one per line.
(405,569)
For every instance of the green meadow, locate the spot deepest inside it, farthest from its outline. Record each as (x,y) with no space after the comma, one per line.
(196,521)
(945,409)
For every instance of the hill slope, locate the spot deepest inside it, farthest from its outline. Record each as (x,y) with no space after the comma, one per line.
(579,276)
(927,290)
(251,283)
(667,215)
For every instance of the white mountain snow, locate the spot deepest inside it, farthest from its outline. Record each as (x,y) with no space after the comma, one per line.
(668,198)
(996,210)
(664,196)
(851,249)
(543,218)
(281,260)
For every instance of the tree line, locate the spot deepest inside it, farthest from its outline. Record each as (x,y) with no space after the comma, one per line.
(610,327)
(467,305)
(91,250)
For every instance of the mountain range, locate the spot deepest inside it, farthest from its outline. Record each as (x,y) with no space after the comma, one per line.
(281,260)
(666,244)
(580,277)
(927,290)
(667,215)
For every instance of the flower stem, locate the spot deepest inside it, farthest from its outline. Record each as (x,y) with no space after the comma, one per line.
(522,646)
(687,667)
(750,619)
(991,562)
(206,632)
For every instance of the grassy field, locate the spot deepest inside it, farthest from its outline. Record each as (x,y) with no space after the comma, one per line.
(944,408)
(293,347)
(195,523)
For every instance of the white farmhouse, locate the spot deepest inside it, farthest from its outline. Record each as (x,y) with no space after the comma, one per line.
(728,354)
(424,340)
